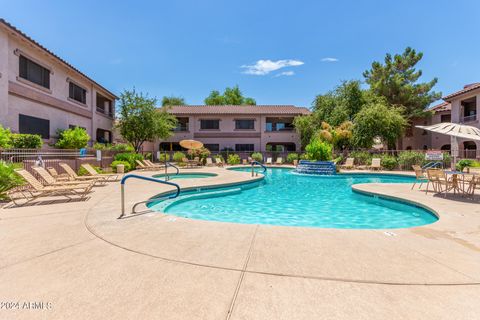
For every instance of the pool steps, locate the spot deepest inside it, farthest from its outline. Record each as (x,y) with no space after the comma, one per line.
(316,168)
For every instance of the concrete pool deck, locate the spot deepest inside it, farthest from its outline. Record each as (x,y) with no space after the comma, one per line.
(87,264)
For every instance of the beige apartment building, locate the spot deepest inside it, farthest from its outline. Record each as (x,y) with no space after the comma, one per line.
(237,128)
(40,92)
(463,107)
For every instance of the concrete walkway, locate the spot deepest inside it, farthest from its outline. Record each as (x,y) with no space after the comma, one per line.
(81,262)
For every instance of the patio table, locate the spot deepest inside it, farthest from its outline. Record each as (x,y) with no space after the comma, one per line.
(456,181)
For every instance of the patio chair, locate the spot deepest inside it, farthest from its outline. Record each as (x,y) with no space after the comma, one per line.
(59,177)
(376,164)
(188,163)
(219,162)
(250,159)
(152,165)
(196,161)
(74,176)
(91,171)
(142,166)
(279,161)
(439,181)
(51,181)
(209,162)
(419,176)
(349,163)
(38,190)
(269,161)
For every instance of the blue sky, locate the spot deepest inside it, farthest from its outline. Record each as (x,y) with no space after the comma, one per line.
(278,52)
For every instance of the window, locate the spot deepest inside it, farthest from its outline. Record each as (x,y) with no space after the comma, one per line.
(182,124)
(77,93)
(209,124)
(446,118)
(214,147)
(279,124)
(34,72)
(104,136)
(244,147)
(32,125)
(72,126)
(104,105)
(245,124)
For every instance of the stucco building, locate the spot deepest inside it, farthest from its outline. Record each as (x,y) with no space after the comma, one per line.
(40,92)
(237,128)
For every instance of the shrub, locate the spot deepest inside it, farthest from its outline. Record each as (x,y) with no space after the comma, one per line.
(129,157)
(291,157)
(102,146)
(164,156)
(361,157)
(257,156)
(5,137)
(388,162)
(319,150)
(202,153)
(75,138)
(233,159)
(26,141)
(464,163)
(303,156)
(122,147)
(8,179)
(127,165)
(406,159)
(178,156)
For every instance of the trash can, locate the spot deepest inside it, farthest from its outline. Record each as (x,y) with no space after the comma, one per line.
(120,168)
(295,162)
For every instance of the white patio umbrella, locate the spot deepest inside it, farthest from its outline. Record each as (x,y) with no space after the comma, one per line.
(454,130)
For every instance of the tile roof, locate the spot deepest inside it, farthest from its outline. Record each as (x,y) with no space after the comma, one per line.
(14,29)
(230,109)
(444,106)
(465,89)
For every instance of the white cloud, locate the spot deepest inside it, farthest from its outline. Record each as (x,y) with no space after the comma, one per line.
(285,73)
(329,59)
(264,67)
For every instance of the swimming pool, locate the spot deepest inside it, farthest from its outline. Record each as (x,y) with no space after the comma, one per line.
(192,175)
(288,199)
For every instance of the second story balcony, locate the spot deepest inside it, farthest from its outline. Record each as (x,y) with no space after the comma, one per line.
(279,124)
(182,125)
(104,106)
(470,118)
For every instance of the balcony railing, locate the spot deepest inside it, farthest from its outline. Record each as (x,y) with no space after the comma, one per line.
(107,113)
(181,128)
(469,118)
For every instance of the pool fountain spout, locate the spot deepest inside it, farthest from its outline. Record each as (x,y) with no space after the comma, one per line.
(316,167)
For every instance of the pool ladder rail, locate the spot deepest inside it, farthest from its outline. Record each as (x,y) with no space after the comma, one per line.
(254,173)
(135,176)
(168,164)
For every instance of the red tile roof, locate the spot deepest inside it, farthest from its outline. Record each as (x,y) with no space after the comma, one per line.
(15,30)
(444,106)
(229,109)
(465,89)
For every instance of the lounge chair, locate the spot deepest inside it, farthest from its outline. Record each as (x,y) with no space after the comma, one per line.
(349,163)
(59,177)
(197,161)
(244,162)
(250,159)
(219,162)
(269,161)
(152,165)
(74,176)
(38,190)
(51,181)
(142,166)
(376,164)
(91,171)
(419,176)
(209,162)
(279,161)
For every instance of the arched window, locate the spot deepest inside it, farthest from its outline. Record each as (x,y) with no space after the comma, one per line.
(446,147)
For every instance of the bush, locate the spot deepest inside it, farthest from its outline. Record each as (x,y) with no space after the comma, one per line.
(464,163)
(5,138)
(75,138)
(388,162)
(257,156)
(129,157)
(291,157)
(26,141)
(164,156)
(8,179)
(361,157)
(102,146)
(178,156)
(233,159)
(407,159)
(202,153)
(127,165)
(319,150)
(122,147)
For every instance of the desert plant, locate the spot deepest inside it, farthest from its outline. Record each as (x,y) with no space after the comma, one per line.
(127,165)
(202,153)
(178,156)
(319,150)
(8,179)
(233,159)
(129,157)
(388,162)
(257,156)
(164,157)
(464,163)
(291,157)
(74,138)
(26,141)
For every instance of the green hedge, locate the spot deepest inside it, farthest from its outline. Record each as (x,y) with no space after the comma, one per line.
(178,156)
(125,163)
(129,157)
(291,157)
(26,141)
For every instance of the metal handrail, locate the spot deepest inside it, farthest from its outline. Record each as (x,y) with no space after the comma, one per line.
(432,164)
(125,178)
(260,164)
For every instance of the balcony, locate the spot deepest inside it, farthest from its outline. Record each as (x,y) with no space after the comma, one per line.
(469,118)
(181,128)
(107,113)
(279,124)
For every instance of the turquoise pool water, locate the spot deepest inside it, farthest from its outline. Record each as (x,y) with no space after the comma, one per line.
(287,199)
(192,175)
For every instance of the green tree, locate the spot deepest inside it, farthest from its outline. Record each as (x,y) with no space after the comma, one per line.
(398,81)
(5,137)
(173,101)
(140,121)
(231,96)
(378,120)
(74,138)
(306,127)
